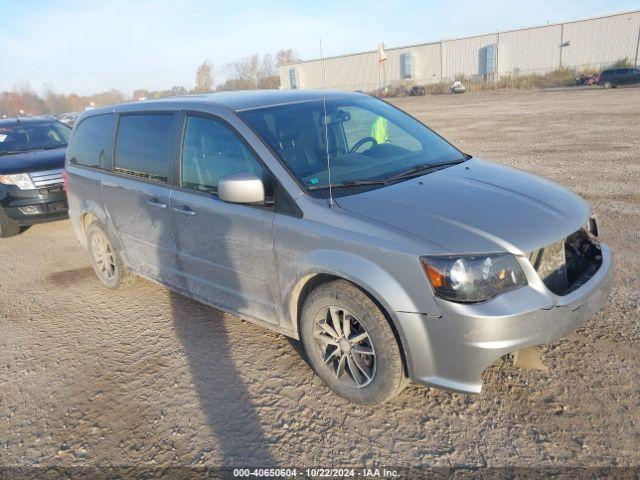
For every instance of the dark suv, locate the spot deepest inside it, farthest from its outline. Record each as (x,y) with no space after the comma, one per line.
(619,76)
(32,152)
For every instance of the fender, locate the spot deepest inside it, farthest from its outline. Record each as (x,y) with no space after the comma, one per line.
(92,208)
(371,278)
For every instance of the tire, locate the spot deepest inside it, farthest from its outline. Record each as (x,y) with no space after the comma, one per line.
(105,259)
(372,350)
(607,85)
(8,227)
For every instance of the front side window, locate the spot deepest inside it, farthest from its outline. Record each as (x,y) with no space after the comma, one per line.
(28,135)
(211,150)
(92,142)
(143,146)
(367,140)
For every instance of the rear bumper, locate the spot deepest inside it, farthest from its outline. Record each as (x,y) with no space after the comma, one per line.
(453,350)
(28,207)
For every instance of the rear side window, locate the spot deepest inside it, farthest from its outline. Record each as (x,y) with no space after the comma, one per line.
(143,146)
(211,151)
(92,142)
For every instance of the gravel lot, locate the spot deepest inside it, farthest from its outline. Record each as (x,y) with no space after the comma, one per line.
(147,377)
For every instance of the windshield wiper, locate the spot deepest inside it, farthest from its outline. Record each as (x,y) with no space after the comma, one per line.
(413,172)
(424,169)
(350,183)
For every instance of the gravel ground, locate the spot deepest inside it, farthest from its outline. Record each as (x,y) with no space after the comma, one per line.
(147,377)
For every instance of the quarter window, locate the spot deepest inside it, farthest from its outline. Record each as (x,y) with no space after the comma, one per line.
(143,146)
(92,142)
(211,151)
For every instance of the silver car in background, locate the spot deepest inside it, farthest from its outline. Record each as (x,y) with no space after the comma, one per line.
(339,220)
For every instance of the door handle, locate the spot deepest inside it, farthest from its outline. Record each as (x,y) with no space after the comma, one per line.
(184,210)
(154,202)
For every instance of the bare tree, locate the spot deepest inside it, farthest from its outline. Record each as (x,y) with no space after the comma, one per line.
(286,57)
(55,103)
(204,77)
(268,68)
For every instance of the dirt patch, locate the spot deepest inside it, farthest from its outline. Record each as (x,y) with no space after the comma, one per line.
(75,276)
(529,359)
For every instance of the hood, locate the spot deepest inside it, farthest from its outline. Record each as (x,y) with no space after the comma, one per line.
(36,160)
(476,207)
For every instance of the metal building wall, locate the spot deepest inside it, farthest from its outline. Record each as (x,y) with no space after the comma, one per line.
(426,61)
(598,43)
(592,43)
(461,57)
(535,50)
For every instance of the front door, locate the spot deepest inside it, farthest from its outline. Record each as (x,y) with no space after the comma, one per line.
(225,250)
(137,197)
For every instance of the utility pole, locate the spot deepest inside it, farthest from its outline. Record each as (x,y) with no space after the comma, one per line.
(637,46)
(561,44)
(441,79)
(496,66)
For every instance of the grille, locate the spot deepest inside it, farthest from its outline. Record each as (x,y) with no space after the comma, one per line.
(46,179)
(567,264)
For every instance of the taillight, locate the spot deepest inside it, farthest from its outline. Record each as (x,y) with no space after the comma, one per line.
(65,179)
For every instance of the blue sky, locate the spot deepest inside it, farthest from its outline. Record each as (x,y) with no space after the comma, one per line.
(90,46)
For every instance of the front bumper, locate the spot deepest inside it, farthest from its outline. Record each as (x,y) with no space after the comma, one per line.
(453,350)
(28,207)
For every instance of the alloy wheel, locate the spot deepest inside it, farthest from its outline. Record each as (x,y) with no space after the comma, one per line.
(345,347)
(103,257)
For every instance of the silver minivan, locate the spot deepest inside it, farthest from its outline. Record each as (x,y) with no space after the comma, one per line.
(339,220)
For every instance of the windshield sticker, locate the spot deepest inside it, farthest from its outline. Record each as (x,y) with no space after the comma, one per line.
(3,137)
(313,181)
(380,130)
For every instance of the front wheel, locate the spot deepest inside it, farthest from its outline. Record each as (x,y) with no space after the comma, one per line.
(105,259)
(350,344)
(607,84)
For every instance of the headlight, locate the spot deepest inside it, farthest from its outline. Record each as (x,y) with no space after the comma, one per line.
(473,278)
(20,180)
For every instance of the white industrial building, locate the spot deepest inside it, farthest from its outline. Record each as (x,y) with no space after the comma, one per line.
(593,43)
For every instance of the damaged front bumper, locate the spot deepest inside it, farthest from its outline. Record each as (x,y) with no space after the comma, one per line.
(453,350)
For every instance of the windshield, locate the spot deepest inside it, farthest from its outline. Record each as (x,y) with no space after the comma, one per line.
(25,136)
(368,140)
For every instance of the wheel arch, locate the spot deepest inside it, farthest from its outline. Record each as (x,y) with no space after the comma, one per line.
(369,278)
(94,213)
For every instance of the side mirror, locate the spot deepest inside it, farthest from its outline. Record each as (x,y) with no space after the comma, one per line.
(241,188)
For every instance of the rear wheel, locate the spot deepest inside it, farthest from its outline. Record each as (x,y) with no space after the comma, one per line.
(350,344)
(105,259)
(8,227)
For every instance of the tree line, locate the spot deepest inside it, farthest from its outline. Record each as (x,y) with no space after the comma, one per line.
(253,72)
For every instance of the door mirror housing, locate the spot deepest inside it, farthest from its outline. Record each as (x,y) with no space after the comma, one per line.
(241,187)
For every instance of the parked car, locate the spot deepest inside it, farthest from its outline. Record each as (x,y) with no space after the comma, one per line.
(457,87)
(32,153)
(619,76)
(587,80)
(69,119)
(410,259)
(417,91)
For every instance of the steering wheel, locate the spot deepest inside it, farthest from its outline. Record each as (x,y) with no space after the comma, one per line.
(361,142)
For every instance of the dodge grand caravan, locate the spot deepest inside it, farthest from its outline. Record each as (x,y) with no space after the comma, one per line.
(341,221)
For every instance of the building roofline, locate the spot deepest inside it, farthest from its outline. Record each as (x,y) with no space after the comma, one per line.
(497,32)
